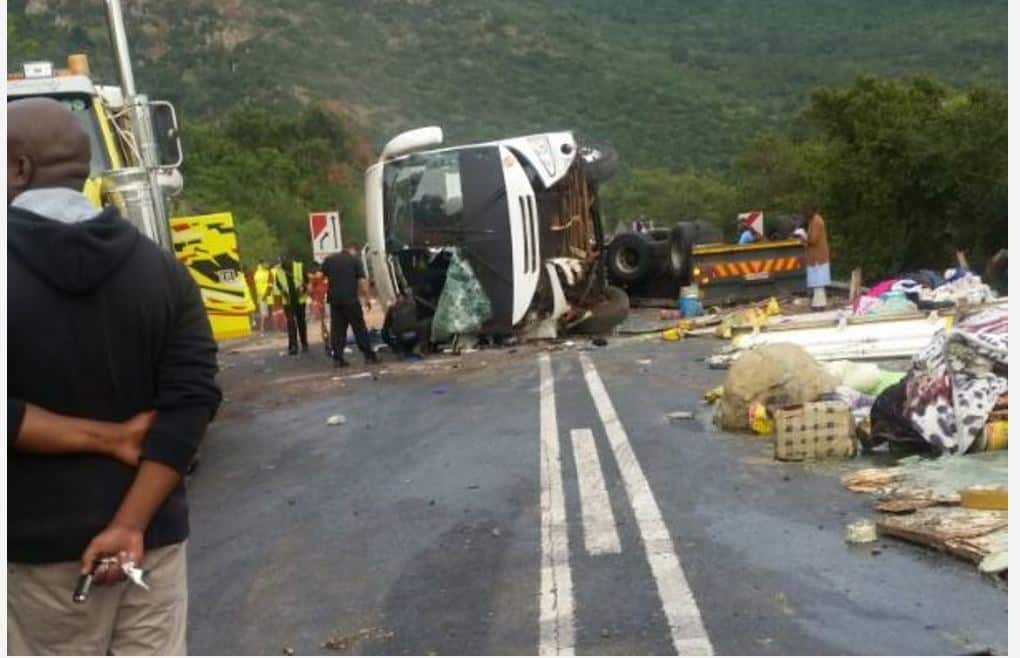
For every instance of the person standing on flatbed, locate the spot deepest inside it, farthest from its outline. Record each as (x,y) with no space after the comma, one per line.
(347,281)
(817,259)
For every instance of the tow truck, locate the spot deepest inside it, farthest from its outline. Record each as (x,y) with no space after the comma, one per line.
(136,159)
(136,149)
(653,265)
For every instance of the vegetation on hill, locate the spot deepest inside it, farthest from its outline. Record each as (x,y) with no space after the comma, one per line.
(270,171)
(905,172)
(669,84)
(715,106)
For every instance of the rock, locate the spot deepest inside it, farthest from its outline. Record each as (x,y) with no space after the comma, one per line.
(336,420)
(496,532)
(599,342)
(288,651)
(605,633)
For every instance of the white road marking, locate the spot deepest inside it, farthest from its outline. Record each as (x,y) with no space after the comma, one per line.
(556,597)
(682,614)
(600,536)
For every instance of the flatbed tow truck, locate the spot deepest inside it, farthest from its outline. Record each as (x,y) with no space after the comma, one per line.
(654,264)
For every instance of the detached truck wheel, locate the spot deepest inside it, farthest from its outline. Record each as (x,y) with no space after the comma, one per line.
(629,258)
(607,314)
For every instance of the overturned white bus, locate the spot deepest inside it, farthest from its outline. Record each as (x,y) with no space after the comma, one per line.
(523,213)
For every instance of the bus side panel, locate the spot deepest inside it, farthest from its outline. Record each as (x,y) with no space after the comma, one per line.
(207,245)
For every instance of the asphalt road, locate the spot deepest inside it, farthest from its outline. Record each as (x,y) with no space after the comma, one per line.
(426,523)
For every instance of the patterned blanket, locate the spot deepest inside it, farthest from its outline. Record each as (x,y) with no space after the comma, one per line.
(955,382)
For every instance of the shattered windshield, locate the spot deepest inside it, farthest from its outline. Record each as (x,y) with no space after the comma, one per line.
(423,201)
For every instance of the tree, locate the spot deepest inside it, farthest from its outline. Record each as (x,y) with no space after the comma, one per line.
(669,197)
(913,171)
(270,169)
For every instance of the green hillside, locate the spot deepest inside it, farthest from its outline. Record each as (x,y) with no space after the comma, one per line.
(670,84)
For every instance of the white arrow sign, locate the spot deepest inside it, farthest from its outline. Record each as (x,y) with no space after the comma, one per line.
(325,231)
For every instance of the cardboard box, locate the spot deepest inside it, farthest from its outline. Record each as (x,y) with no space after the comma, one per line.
(818,430)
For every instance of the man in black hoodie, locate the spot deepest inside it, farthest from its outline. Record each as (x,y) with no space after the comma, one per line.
(102,325)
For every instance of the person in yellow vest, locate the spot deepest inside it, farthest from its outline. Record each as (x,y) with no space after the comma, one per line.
(291,285)
(263,293)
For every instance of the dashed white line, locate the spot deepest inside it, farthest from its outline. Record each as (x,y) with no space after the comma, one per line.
(682,614)
(556,596)
(600,536)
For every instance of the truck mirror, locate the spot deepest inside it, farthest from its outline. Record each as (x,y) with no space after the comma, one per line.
(166,133)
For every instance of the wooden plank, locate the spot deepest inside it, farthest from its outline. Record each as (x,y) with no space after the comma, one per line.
(957,530)
(870,480)
(855,283)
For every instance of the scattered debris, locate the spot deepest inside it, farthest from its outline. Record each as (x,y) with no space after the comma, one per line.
(995,563)
(923,500)
(985,497)
(672,334)
(341,642)
(861,532)
(816,430)
(970,534)
(713,394)
(779,375)
(336,420)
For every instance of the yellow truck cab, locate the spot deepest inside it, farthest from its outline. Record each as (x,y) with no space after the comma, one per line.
(121,175)
(136,169)
(74,88)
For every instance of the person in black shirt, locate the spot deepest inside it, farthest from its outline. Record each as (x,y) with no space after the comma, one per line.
(347,280)
(104,327)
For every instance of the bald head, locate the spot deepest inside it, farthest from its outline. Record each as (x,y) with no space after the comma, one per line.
(46,147)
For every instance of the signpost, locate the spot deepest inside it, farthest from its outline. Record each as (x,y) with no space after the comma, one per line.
(325,231)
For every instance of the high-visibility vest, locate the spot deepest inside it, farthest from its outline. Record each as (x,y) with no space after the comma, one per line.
(261,282)
(283,289)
